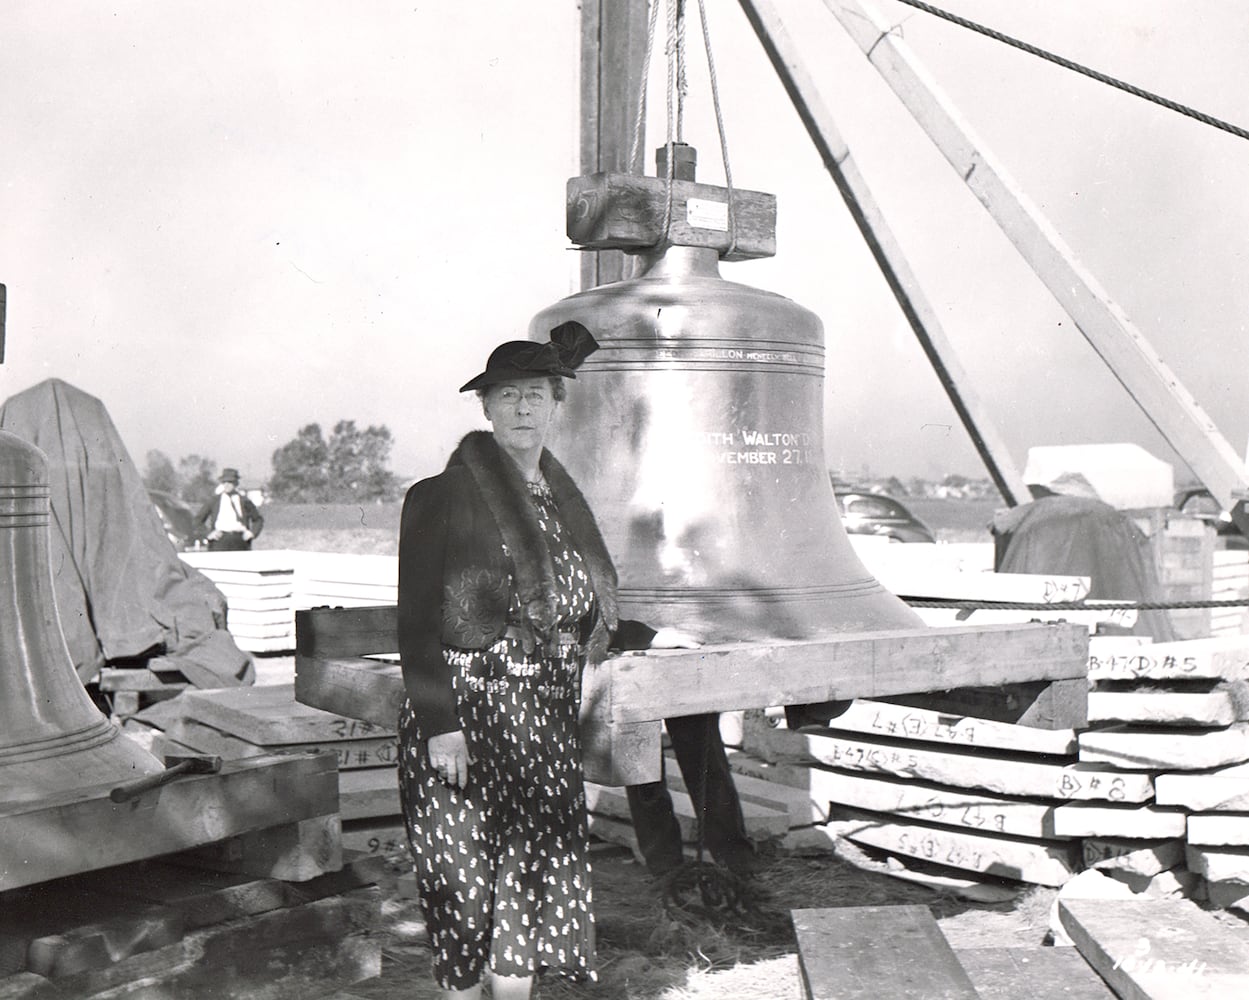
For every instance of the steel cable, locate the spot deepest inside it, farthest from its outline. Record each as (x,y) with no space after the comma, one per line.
(1075,67)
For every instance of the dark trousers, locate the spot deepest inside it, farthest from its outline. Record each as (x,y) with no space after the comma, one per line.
(230,541)
(708,780)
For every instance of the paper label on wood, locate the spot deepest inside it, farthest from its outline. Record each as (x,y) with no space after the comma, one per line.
(705,214)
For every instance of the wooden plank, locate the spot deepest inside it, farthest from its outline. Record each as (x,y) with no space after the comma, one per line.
(1219,829)
(962,769)
(613,45)
(67,926)
(624,211)
(1038,862)
(85,830)
(1160,949)
(349,754)
(376,837)
(296,852)
(866,952)
(372,791)
(203,897)
(762,822)
(1169,708)
(280,955)
(1215,658)
(1126,352)
(269,715)
(875,718)
(661,683)
(1036,973)
(930,803)
(1096,819)
(1061,706)
(625,753)
(1226,789)
(1231,864)
(1165,749)
(116,679)
(1132,856)
(794,802)
(101,943)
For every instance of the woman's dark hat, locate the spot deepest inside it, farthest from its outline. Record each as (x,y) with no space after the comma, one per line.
(229,476)
(570,344)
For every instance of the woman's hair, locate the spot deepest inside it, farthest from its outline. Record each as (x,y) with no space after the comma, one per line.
(559,391)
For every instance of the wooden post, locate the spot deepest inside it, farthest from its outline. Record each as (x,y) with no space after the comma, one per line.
(613,43)
(803,92)
(1124,349)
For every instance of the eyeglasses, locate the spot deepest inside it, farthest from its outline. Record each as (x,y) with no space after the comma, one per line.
(511,396)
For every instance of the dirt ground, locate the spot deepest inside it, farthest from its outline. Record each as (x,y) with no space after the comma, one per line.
(650,951)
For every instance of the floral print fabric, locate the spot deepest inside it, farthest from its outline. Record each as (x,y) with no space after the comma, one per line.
(503,864)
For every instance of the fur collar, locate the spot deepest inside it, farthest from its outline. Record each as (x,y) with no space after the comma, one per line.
(503,489)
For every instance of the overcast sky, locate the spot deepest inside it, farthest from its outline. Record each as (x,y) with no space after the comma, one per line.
(231,219)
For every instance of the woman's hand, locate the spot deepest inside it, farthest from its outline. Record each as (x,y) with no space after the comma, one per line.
(671,638)
(448,753)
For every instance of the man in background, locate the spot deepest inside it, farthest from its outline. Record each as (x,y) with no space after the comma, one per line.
(231,520)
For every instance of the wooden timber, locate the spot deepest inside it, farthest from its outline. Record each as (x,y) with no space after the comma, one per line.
(1165,708)
(961,768)
(1219,829)
(1223,790)
(877,718)
(1132,855)
(868,952)
(287,954)
(350,754)
(610,211)
(1038,862)
(613,46)
(624,698)
(1038,973)
(84,830)
(1214,658)
(270,715)
(1165,749)
(1158,949)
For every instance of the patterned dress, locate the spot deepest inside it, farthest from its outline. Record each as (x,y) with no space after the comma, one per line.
(503,865)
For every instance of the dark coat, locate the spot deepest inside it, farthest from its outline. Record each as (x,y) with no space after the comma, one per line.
(466,538)
(251,517)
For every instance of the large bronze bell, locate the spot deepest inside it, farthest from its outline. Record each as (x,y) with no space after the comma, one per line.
(52,738)
(696,433)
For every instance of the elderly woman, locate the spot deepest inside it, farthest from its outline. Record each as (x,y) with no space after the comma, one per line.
(505,591)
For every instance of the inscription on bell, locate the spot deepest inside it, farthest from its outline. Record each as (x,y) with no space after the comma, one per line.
(747,446)
(729,354)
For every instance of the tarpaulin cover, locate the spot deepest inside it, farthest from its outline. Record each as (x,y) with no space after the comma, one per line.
(1077,536)
(121,590)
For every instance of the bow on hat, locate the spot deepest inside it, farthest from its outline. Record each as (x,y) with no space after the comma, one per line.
(570,344)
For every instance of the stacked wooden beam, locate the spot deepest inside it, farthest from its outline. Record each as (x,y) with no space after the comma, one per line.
(1230,583)
(245,722)
(1177,712)
(264,588)
(175,926)
(341,580)
(968,794)
(1155,793)
(259,590)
